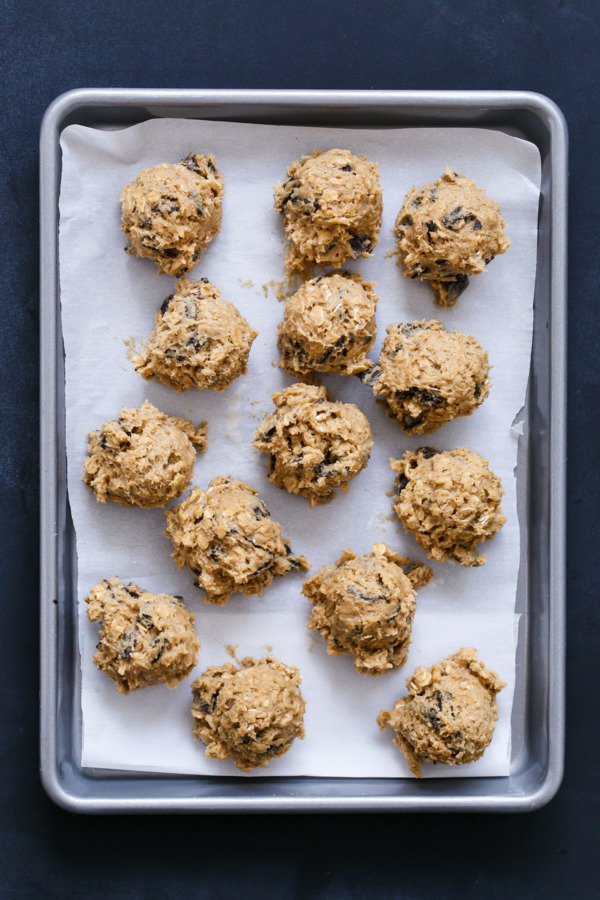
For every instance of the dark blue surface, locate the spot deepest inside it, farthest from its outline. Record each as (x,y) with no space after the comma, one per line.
(549,46)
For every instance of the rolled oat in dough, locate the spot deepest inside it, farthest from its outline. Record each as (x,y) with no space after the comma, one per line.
(365,606)
(171,212)
(449,501)
(429,376)
(250,714)
(450,713)
(228,540)
(198,341)
(331,205)
(314,445)
(145,639)
(446,232)
(328,326)
(144,458)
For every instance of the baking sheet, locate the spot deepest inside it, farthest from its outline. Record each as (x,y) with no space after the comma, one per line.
(109,297)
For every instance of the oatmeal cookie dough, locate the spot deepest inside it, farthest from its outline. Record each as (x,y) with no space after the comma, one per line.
(446,232)
(228,540)
(144,458)
(251,714)
(314,445)
(331,205)
(429,376)
(450,712)
(449,501)
(198,341)
(365,606)
(171,212)
(328,326)
(145,638)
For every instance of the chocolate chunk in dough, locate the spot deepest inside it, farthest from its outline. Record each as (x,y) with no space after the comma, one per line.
(145,638)
(331,204)
(446,232)
(144,458)
(314,445)
(228,540)
(198,341)
(328,326)
(171,212)
(450,712)
(365,606)
(430,376)
(251,714)
(449,501)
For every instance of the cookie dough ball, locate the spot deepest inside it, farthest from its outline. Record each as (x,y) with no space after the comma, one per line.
(331,205)
(430,376)
(251,714)
(365,606)
(328,326)
(198,341)
(449,501)
(314,445)
(228,540)
(170,213)
(144,458)
(446,232)
(450,712)
(145,638)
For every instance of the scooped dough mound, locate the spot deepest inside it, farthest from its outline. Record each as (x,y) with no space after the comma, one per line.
(449,501)
(365,606)
(314,445)
(251,714)
(198,341)
(328,326)
(331,204)
(228,540)
(450,712)
(144,458)
(430,376)
(145,638)
(446,232)
(171,212)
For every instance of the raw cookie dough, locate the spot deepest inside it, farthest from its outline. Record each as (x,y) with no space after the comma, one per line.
(328,326)
(450,712)
(314,445)
(331,204)
(198,341)
(144,458)
(251,714)
(449,501)
(228,540)
(429,376)
(446,232)
(171,212)
(145,638)
(365,606)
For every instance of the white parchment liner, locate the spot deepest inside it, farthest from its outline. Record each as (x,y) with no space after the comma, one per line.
(109,298)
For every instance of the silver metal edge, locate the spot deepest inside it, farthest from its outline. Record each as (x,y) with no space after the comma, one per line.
(49,171)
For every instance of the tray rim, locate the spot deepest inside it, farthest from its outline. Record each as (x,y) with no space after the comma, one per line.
(434,102)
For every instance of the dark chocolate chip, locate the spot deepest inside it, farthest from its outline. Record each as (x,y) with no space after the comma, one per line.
(401,482)
(361,243)
(165,304)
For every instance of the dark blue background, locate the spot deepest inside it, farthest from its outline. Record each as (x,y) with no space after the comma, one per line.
(47,48)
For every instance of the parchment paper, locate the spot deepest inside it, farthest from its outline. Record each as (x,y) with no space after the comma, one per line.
(109,298)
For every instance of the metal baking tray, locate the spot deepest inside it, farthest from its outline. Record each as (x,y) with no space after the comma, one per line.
(538,711)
